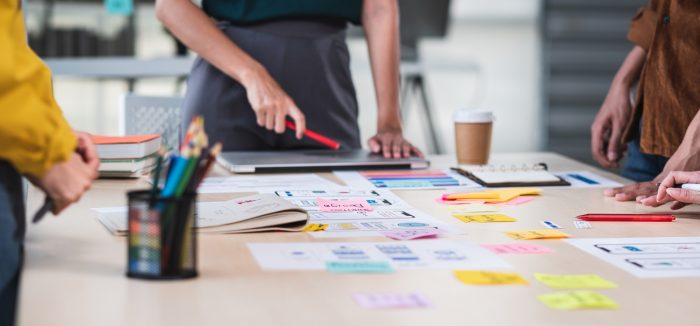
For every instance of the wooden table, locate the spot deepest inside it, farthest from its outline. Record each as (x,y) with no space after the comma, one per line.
(74,272)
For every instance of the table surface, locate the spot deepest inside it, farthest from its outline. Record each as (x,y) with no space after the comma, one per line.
(74,271)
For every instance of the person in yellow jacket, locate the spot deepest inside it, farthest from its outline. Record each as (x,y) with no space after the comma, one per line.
(36,142)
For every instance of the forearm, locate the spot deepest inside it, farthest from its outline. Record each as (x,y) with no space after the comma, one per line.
(687,156)
(198,32)
(630,70)
(380,20)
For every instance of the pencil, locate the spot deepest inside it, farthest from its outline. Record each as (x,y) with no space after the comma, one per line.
(213,154)
(315,136)
(156,172)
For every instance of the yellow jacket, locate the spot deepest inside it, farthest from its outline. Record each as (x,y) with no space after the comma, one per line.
(33,133)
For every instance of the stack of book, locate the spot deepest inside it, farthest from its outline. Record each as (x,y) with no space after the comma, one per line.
(126,156)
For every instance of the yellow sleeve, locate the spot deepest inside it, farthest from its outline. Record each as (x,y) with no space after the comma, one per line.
(33,132)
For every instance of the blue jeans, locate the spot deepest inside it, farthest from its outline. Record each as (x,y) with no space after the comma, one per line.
(641,167)
(11,235)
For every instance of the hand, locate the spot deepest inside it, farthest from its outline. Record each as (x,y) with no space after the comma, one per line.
(635,191)
(66,182)
(608,126)
(392,144)
(86,149)
(680,197)
(271,104)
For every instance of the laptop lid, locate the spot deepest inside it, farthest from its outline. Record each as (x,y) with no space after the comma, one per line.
(313,160)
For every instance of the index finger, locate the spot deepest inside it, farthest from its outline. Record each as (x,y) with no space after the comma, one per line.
(299,120)
(674,178)
(597,146)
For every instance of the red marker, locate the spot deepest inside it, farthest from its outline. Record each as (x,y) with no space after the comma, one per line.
(315,136)
(627,217)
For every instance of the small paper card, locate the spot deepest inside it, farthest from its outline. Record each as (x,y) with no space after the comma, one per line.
(587,281)
(412,234)
(489,278)
(517,248)
(485,218)
(350,205)
(391,300)
(537,234)
(359,267)
(577,300)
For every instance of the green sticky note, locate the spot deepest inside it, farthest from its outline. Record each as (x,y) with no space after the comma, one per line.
(586,281)
(359,267)
(577,300)
(120,7)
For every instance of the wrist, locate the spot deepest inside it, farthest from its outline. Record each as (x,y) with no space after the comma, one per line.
(247,74)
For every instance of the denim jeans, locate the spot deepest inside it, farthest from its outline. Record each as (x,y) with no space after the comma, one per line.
(11,237)
(641,167)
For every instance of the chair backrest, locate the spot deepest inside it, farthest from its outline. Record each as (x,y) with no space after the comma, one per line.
(152,115)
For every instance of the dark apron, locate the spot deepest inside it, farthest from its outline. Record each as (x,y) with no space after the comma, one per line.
(308,59)
(11,235)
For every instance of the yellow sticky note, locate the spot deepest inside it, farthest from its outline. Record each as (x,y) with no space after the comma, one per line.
(586,281)
(577,300)
(537,234)
(497,195)
(489,278)
(472,208)
(485,218)
(315,227)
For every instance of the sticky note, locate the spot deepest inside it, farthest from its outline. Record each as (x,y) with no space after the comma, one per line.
(411,234)
(486,218)
(458,202)
(519,200)
(517,248)
(351,205)
(391,300)
(577,300)
(585,281)
(315,227)
(119,7)
(489,278)
(537,234)
(496,196)
(359,267)
(472,208)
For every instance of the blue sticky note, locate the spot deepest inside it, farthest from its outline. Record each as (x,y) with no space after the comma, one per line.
(359,267)
(119,7)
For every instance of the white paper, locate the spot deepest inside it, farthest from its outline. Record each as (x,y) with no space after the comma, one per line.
(424,254)
(647,257)
(354,179)
(592,180)
(264,183)
(389,212)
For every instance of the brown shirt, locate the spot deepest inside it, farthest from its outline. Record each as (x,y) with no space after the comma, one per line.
(669,87)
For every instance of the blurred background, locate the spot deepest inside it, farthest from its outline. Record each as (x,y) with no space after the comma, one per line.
(542,66)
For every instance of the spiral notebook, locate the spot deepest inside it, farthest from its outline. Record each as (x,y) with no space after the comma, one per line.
(511,175)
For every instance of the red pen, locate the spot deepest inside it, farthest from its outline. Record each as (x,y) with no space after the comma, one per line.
(315,136)
(627,217)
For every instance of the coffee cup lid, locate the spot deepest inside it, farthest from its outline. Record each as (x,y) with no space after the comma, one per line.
(471,116)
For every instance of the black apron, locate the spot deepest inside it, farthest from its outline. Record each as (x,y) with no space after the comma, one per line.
(309,59)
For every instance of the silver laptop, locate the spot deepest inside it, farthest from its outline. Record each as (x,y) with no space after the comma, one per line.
(313,160)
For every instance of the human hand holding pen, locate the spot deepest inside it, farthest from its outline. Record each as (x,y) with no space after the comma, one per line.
(681,197)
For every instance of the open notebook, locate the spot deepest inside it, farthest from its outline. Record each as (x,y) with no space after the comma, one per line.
(265,212)
(511,175)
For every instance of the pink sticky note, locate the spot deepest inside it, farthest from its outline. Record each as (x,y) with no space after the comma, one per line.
(350,205)
(412,234)
(519,200)
(391,300)
(517,248)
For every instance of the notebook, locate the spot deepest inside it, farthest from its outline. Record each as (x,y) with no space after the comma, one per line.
(256,213)
(120,147)
(511,175)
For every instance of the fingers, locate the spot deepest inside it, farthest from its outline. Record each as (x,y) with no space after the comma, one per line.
(631,192)
(598,144)
(279,121)
(299,121)
(392,145)
(674,178)
(614,146)
(374,145)
(269,119)
(684,195)
(386,148)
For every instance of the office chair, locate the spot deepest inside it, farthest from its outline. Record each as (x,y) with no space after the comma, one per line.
(152,115)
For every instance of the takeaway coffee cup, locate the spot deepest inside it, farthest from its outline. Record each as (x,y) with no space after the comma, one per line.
(473,136)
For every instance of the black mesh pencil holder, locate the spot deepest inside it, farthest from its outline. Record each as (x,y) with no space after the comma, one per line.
(162,241)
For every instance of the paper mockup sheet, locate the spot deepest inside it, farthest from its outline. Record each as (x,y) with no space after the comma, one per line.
(405,179)
(264,183)
(389,213)
(425,254)
(647,257)
(585,179)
